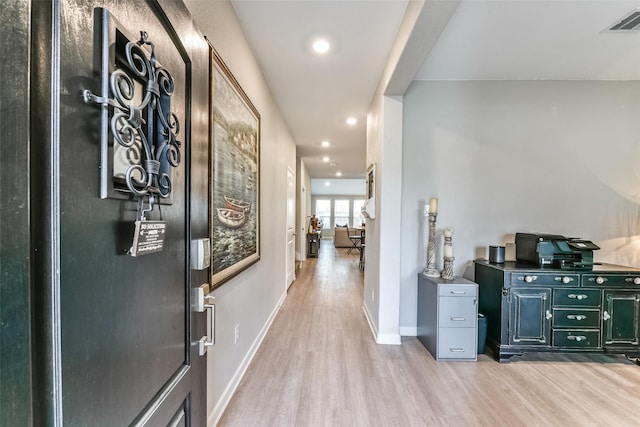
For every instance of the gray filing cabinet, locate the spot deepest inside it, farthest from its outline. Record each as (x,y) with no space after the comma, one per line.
(448,317)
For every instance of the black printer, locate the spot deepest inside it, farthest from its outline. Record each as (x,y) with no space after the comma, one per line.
(554,251)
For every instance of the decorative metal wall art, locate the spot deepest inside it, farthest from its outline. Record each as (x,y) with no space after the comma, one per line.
(138,130)
(138,138)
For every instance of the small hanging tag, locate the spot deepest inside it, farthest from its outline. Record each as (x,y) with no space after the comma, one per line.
(148,237)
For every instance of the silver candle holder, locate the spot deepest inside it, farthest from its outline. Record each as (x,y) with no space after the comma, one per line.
(431,270)
(447,267)
(447,271)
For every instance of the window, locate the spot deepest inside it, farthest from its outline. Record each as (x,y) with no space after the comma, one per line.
(341,212)
(334,211)
(356,219)
(323,213)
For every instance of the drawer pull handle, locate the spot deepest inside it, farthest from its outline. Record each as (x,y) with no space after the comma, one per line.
(564,279)
(458,319)
(456,350)
(606,316)
(576,317)
(576,338)
(457,292)
(548,315)
(577,296)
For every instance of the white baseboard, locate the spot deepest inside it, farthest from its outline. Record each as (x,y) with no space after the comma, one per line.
(409,331)
(221,405)
(367,316)
(388,339)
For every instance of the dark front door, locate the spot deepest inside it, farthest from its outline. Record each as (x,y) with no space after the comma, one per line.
(119,329)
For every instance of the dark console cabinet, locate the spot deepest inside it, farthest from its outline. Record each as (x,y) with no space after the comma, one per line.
(533,310)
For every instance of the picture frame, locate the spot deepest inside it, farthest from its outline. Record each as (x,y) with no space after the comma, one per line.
(234,175)
(371,184)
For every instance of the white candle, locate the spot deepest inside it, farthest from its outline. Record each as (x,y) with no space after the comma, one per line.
(448,232)
(433,205)
(448,251)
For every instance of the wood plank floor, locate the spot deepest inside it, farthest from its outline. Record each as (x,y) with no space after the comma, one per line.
(320,366)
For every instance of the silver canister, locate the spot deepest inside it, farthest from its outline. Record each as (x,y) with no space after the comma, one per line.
(496,254)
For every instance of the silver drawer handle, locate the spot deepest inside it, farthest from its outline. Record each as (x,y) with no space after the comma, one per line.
(548,314)
(576,338)
(577,296)
(458,319)
(456,350)
(457,292)
(576,317)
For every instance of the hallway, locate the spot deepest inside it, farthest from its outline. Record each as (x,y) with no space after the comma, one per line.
(320,366)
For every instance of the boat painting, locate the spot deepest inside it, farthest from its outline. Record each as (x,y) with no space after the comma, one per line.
(234,176)
(232,218)
(238,205)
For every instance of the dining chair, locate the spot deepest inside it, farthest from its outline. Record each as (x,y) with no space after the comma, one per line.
(356,240)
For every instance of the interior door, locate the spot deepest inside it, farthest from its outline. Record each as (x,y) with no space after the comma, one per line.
(122,326)
(291,226)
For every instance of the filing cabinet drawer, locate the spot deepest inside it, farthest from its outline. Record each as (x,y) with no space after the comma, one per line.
(576,318)
(457,343)
(457,312)
(457,291)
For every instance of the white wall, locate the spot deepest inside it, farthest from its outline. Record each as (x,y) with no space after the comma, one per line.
(507,156)
(252,298)
(303,208)
(384,141)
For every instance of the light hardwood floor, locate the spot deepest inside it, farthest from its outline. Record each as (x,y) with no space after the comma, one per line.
(320,366)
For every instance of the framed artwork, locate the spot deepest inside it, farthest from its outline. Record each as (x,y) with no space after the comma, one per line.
(371,184)
(234,175)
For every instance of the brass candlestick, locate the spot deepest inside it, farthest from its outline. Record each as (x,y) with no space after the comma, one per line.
(431,270)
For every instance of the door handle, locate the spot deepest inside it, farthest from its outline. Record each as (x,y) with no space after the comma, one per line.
(202,303)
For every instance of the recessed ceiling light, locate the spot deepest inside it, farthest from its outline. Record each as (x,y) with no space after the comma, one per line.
(352,121)
(326,143)
(325,159)
(321,46)
(327,183)
(338,173)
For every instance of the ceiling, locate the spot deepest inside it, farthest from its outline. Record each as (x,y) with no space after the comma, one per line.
(484,39)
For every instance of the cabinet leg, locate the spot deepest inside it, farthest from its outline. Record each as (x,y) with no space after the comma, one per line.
(635,358)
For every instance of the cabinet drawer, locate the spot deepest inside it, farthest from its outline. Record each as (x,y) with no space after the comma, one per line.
(576,318)
(577,297)
(458,290)
(608,280)
(457,343)
(538,279)
(457,312)
(576,338)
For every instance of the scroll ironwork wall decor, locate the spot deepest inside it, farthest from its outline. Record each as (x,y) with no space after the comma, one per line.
(234,175)
(138,129)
